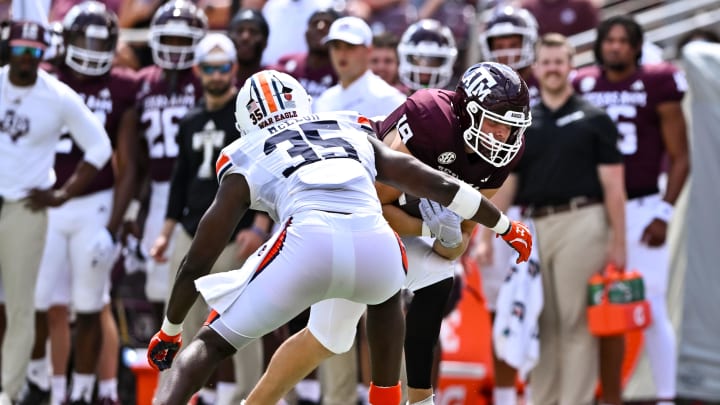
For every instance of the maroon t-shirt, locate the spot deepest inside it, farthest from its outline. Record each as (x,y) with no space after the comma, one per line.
(633,105)
(432,133)
(315,81)
(108,96)
(160,108)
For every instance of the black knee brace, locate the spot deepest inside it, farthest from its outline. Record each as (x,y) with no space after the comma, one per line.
(422,327)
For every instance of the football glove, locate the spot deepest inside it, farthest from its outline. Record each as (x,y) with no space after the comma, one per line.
(103,250)
(162,350)
(443,223)
(519,238)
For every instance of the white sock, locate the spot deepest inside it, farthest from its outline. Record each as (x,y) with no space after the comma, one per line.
(665,402)
(58,389)
(308,390)
(528,394)
(82,387)
(208,395)
(108,389)
(225,392)
(505,396)
(426,401)
(37,373)
(363,393)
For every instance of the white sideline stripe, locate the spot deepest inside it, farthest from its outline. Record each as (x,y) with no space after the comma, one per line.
(463,369)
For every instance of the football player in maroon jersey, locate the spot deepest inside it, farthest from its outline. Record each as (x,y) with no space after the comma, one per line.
(509,37)
(168,89)
(81,247)
(476,134)
(644,101)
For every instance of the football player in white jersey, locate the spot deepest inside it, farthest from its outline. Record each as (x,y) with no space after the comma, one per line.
(34,107)
(315,175)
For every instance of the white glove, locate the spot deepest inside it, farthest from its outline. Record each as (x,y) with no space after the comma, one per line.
(135,256)
(104,251)
(443,223)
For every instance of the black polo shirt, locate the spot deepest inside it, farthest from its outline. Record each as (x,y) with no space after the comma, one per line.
(562,153)
(201,136)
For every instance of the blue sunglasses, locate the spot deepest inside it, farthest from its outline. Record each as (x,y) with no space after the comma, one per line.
(209,69)
(22,50)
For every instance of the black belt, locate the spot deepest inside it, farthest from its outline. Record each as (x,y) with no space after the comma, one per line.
(573,204)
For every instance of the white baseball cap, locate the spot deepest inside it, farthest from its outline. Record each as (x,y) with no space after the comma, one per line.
(352,30)
(215,48)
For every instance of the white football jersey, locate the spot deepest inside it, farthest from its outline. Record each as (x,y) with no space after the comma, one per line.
(318,162)
(31,122)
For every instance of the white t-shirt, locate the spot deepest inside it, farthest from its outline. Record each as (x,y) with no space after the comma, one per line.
(31,122)
(369,95)
(319,162)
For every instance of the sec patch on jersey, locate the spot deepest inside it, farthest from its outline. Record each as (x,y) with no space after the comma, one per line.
(409,204)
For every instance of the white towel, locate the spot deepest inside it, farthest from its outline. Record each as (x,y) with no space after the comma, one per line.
(220,290)
(519,302)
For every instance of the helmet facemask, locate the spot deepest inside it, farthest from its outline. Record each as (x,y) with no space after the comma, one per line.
(91,52)
(174,56)
(426,64)
(494,151)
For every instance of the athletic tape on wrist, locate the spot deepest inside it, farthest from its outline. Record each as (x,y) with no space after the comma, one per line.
(171,329)
(132,211)
(503,225)
(664,211)
(466,201)
(426,230)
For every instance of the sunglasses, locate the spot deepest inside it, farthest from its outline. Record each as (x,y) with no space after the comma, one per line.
(22,50)
(209,69)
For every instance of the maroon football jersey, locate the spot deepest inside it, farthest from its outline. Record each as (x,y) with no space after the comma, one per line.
(108,96)
(533,89)
(315,81)
(632,104)
(161,105)
(432,133)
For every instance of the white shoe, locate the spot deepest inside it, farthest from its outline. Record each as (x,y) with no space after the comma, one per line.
(5,399)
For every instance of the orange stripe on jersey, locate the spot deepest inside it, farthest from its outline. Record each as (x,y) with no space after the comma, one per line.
(362,120)
(211,318)
(274,250)
(403,253)
(267,93)
(222,160)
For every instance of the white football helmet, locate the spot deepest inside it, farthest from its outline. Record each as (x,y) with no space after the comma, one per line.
(267,98)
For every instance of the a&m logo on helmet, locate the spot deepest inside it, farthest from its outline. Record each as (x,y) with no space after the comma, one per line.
(479,83)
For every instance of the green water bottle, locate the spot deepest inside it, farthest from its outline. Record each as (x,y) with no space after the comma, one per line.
(619,291)
(637,285)
(596,286)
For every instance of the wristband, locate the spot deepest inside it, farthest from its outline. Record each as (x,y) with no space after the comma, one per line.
(466,201)
(132,211)
(503,225)
(425,230)
(664,211)
(171,329)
